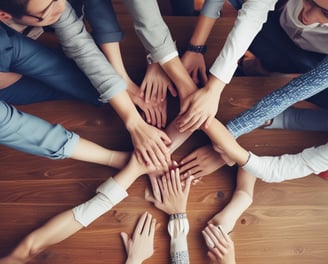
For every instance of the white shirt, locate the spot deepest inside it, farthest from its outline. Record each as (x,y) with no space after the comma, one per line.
(313,37)
(248,23)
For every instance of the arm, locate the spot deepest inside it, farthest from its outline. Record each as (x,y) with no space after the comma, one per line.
(174,203)
(194,61)
(273,104)
(141,246)
(242,198)
(64,225)
(201,107)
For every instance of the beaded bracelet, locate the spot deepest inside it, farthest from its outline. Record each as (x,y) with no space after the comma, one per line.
(178,216)
(197,48)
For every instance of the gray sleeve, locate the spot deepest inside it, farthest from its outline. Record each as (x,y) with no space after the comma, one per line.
(151,28)
(78,45)
(212,8)
(276,102)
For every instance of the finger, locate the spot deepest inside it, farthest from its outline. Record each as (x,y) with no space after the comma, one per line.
(165,138)
(147,225)
(154,94)
(194,76)
(158,117)
(149,197)
(148,115)
(188,184)
(188,159)
(156,189)
(203,75)
(162,93)
(176,182)
(142,89)
(145,158)
(125,239)
(141,223)
(165,191)
(172,90)
(163,114)
(157,158)
(170,184)
(212,257)
(208,122)
(195,124)
(210,244)
(148,93)
(152,113)
(152,228)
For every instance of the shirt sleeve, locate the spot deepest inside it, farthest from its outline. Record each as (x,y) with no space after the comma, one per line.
(78,45)
(276,102)
(212,8)
(178,229)
(152,30)
(102,18)
(248,23)
(288,167)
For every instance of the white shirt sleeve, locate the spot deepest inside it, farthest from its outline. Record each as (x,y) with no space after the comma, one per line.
(288,167)
(248,23)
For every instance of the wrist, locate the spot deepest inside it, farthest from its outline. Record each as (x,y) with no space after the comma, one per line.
(197,48)
(178,216)
(215,85)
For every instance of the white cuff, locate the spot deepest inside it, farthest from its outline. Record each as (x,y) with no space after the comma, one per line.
(109,194)
(114,192)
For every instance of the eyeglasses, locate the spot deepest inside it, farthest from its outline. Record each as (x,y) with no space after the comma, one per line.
(44,13)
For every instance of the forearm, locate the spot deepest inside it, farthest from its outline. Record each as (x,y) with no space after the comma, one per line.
(126,110)
(202,30)
(180,77)
(113,54)
(92,152)
(241,199)
(57,229)
(222,140)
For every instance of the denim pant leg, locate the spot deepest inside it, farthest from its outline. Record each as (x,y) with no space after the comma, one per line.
(48,66)
(236,3)
(27,90)
(33,135)
(278,53)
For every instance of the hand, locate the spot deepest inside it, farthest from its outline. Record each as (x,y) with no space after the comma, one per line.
(195,66)
(197,109)
(174,193)
(154,113)
(201,162)
(155,84)
(150,144)
(221,247)
(141,245)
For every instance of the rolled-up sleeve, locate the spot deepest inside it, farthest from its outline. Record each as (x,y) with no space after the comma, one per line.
(78,45)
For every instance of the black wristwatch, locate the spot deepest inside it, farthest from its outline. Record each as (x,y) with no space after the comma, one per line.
(197,48)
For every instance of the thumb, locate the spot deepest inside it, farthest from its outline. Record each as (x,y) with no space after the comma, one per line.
(125,239)
(149,197)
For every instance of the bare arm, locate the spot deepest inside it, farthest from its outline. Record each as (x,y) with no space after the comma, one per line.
(69,222)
